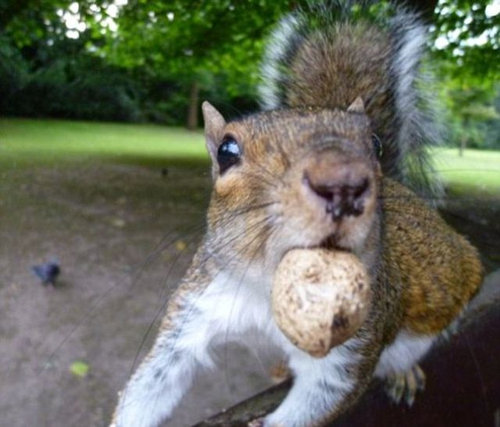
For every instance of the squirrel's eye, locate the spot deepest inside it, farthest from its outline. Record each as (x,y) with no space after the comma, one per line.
(228,153)
(377,145)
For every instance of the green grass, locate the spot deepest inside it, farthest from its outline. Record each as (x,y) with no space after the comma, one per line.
(476,171)
(27,142)
(33,142)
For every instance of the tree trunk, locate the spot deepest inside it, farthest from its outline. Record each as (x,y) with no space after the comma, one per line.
(192,119)
(461,149)
(463,139)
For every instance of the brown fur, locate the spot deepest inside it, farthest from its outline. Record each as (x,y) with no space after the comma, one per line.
(422,272)
(439,268)
(277,147)
(344,72)
(325,86)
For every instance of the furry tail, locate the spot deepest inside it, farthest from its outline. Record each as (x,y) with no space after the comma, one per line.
(330,53)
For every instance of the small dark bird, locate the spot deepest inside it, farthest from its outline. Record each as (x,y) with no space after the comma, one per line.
(164,172)
(47,272)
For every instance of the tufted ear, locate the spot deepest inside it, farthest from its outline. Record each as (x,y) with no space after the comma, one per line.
(358,106)
(214,128)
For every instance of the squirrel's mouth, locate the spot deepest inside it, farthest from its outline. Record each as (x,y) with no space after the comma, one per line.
(332,241)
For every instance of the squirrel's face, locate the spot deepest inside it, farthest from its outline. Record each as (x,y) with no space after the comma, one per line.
(291,178)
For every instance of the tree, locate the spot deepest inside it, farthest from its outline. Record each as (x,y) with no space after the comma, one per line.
(47,68)
(194,42)
(470,115)
(467,40)
(180,50)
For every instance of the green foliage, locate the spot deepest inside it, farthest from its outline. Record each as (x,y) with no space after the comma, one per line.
(82,88)
(216,45)
(473,115)
(141,60)
(44,73)
(470,40)
(13,71)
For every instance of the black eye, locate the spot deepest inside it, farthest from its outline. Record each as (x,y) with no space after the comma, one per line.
(228,154)
(377,145)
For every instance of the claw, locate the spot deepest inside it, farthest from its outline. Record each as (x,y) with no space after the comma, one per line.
(403,387)
(396,387)
(420,376)
(280,372)
(411,388)
(450,331)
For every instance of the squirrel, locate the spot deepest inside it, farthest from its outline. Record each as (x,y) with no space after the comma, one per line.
(343,132)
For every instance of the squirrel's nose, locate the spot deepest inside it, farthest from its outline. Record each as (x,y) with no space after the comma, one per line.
(343,187)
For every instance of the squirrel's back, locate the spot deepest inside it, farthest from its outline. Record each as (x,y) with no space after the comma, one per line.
(331,53)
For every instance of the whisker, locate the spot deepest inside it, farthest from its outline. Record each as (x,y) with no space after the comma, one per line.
(162,308)
(87,316)
(269,181)
(251,208)
(159,310)
(239,285)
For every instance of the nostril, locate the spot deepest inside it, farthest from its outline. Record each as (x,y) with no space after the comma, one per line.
(360,189)
(358,196)
(322,188)
(343,195)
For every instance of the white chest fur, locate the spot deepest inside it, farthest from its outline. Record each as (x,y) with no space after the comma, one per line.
(232,305)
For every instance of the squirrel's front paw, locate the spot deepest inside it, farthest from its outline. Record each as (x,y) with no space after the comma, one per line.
(263,422)
(403,387)
(259,422)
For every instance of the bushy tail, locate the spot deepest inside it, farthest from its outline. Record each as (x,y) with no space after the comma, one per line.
(328,54)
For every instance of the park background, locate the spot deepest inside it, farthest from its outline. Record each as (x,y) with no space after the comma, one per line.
(103,166)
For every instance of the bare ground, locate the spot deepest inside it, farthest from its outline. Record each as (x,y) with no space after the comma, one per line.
(123,234)
(119,233)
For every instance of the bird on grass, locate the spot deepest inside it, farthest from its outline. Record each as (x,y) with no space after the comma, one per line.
(47,272)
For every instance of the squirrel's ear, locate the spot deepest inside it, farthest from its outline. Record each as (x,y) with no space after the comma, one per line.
(358,106)
(214,127)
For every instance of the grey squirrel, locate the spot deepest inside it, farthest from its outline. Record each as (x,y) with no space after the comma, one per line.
(343,122)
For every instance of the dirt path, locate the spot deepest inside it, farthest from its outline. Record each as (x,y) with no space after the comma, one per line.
(123,236)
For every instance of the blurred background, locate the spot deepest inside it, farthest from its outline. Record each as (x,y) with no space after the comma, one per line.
(103,173)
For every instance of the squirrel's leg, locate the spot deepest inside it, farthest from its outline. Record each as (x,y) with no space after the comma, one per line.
(167,371)
(201,311)
(323,387)
(280,372)
(398,365)
(194,317)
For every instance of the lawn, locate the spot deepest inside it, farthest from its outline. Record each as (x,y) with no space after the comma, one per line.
(28,142)
(475,171)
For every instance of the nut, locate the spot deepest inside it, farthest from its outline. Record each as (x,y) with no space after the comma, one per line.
(320,298)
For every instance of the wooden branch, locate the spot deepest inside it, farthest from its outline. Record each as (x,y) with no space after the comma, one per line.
(255,407)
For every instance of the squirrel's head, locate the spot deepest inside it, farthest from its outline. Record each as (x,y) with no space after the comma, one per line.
(291,178)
